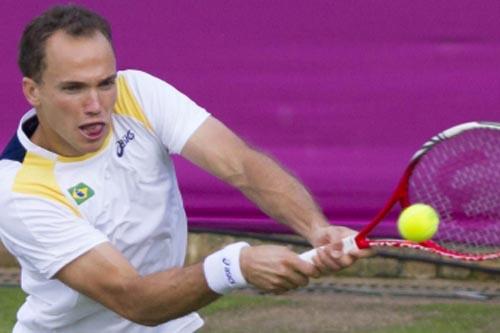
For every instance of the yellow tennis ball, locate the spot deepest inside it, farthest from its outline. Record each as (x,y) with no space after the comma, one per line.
(418,222)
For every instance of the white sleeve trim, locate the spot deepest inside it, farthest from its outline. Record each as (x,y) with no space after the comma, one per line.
(183,140)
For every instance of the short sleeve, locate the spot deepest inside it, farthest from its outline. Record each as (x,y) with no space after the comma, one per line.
(44,235)
(173,116)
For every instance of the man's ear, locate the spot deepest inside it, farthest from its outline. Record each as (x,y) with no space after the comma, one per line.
(31,91)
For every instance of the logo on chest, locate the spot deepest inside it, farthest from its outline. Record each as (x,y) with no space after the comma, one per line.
(123,142)
(81,193)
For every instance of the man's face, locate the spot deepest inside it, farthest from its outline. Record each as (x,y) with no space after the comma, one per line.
(76,94)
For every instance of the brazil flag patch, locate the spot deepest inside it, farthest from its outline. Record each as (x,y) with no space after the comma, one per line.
(81,193)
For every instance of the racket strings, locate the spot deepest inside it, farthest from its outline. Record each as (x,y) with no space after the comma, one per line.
(460,178)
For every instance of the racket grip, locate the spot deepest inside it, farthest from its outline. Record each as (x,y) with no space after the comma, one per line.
(348,245)
(308,255)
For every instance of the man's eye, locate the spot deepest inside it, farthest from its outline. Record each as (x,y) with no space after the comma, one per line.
(71,88)
(107,84)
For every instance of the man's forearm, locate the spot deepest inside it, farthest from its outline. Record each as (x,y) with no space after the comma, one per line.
(277,193)
(104,275)
(262,180)
(157,298)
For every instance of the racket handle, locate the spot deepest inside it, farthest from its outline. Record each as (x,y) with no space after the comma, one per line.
(308,255)
(348,245)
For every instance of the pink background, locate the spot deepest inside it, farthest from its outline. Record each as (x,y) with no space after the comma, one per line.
(341,92)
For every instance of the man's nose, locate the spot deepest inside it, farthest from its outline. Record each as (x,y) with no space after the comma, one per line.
(93,102)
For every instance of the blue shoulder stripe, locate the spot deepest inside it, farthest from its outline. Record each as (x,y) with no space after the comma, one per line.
(14,151)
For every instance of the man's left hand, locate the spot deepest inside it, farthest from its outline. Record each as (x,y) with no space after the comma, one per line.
(330,256)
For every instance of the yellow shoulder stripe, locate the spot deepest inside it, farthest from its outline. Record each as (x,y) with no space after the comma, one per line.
(36,177)
(127,105)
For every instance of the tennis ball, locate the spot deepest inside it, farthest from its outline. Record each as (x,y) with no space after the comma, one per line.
(418,222)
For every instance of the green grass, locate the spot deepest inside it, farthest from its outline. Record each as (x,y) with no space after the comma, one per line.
(231,302)
(11,299)
(445,318)
(466,317)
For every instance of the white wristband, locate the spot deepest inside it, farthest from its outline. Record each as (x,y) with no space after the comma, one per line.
(222,269)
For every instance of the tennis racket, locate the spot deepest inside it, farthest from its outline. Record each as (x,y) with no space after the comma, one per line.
(457,172)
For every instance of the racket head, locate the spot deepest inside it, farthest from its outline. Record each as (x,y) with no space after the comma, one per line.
(457,172)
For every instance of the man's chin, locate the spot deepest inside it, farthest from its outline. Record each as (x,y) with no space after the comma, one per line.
(94,147)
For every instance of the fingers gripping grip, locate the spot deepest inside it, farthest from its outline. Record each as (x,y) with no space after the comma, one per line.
(348,245)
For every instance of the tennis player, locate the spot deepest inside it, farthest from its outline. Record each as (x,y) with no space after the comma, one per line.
(89,199)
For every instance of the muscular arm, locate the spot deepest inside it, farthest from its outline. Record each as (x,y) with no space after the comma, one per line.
(216,149)
(219,151)
(104,275)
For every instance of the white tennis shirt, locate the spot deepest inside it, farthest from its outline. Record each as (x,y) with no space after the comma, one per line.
(54,208)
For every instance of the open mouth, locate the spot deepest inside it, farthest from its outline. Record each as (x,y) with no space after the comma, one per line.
(93,131)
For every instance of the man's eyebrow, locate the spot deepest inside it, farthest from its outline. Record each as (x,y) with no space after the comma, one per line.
(71,83)
(110,78)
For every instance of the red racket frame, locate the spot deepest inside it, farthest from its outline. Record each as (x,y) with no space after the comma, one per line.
(401,195)
(361,240)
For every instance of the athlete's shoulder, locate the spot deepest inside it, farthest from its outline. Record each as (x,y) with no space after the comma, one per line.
(135,78)
(14,151)
(8,172)
(130,102)
(11,160)
(144,84)
(143,96)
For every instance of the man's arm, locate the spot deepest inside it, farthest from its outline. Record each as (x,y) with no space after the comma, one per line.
(219,151)
(104,275)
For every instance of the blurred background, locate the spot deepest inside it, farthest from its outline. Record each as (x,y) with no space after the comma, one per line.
(341,92)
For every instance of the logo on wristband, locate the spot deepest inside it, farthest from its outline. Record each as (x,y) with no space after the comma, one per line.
(227,270)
